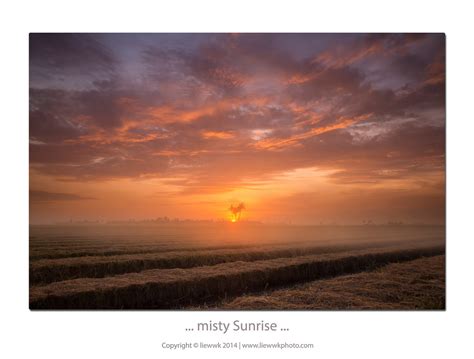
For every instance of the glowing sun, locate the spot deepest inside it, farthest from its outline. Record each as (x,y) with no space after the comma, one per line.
(236,211)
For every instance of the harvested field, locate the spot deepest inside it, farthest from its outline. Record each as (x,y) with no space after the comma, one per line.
(174,268)
(417,284)
(51,270)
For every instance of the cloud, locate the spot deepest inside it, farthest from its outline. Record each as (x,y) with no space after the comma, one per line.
(341,123)
(221,135)
(247,106)
(43,196)
(66,60)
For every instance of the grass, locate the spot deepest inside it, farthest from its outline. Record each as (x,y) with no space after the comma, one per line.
(175,288)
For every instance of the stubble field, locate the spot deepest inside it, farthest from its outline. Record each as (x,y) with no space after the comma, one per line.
(236,266)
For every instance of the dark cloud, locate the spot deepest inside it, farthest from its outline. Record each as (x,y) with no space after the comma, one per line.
(57,114)
(69,51)
(329,83)
(68,59)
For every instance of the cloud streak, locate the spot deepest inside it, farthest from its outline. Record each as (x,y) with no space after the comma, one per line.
(43,196)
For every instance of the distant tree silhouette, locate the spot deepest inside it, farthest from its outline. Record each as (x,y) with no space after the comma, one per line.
(236,210)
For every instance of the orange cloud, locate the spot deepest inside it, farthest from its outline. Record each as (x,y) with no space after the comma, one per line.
(340,123)
(217,134)
(123,135)
(179,112)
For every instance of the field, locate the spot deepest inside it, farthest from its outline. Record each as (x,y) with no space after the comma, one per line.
(236,266)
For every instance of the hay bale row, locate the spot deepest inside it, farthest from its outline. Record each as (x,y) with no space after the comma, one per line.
(174,288)
(113,250)
(53,270)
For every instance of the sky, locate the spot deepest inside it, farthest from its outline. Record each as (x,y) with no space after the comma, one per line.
(301,128)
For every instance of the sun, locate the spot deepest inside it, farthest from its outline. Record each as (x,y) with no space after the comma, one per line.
(236,211)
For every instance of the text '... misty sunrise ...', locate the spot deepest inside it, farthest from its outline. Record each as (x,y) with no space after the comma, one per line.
(236,326)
